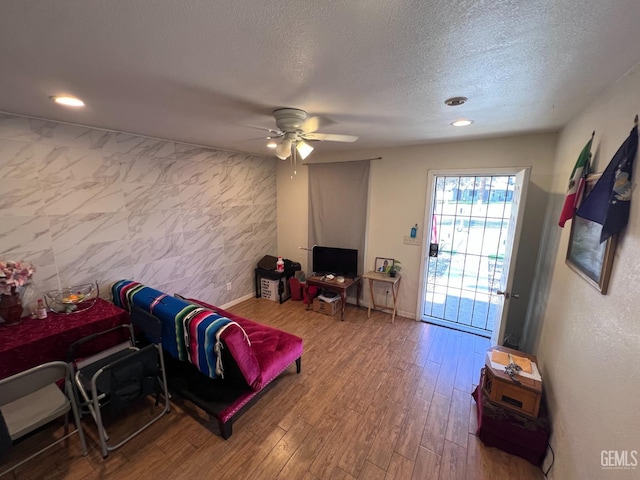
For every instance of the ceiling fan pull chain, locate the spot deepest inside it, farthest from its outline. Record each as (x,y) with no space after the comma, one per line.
(291,161)
(295,161)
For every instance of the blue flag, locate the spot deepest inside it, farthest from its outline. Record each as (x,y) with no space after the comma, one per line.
(610,200)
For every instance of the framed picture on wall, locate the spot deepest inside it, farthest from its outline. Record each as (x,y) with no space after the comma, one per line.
(383,264)
(588,257)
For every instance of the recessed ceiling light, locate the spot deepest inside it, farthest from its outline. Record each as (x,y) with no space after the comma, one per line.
(68,101)
(455,101)
(463,122)
(272,145)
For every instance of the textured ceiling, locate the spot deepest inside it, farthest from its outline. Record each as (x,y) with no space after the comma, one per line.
(208,72)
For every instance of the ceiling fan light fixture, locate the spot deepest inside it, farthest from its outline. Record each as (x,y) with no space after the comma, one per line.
(272,144)
(283,151)
(304,149)
(463,122)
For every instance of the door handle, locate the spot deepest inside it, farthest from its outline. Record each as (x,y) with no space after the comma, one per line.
(508,295)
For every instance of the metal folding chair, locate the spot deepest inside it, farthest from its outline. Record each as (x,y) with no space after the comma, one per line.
(32,399)
(121,375)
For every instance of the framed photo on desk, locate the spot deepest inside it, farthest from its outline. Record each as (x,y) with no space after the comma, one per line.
(383,265)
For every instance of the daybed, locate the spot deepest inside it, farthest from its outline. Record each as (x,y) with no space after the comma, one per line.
(215,359)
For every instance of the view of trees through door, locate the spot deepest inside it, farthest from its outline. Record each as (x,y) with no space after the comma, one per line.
(469,225)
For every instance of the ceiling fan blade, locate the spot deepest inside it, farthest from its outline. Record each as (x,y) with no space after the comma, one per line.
(253,139)
(315,123)
(274,132)
(330,137)
(311,124)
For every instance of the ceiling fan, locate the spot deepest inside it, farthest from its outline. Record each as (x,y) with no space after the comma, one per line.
(296,128)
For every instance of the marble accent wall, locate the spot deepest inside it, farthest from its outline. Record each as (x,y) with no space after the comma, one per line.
(88,205)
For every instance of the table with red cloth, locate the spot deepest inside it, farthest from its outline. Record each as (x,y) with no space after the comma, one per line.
(37,341)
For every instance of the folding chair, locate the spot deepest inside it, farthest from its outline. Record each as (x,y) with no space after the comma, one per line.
(121,375)
(32,399)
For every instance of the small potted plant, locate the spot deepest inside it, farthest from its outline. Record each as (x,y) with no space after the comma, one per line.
(395,268)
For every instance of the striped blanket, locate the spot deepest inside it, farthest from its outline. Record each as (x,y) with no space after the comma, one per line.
(189,332)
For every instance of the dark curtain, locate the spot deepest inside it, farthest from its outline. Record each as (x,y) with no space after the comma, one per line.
(338,195)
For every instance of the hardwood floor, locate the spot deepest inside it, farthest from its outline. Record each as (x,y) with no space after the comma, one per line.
(374,400)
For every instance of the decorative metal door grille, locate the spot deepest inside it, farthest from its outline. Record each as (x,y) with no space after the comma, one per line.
(469,226)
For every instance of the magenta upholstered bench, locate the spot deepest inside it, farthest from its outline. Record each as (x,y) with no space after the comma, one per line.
(248,369)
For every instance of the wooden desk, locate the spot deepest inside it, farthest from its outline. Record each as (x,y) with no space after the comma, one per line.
(36,341)
(395,288)
(333,285)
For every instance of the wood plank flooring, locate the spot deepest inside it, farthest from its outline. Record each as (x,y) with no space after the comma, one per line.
(374,400)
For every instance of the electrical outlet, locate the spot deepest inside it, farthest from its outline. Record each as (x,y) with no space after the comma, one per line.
(228,286)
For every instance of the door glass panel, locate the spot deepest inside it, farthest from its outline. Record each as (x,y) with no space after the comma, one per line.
(469,224)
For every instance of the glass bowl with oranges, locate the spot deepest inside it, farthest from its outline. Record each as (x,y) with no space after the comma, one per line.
(72,299)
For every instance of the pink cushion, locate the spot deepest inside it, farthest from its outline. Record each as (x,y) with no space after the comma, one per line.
(274,349)
(242,353)
(270,353)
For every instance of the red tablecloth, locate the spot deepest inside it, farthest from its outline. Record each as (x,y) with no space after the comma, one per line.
(34,342)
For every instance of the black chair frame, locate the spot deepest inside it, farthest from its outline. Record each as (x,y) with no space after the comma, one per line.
(122,374)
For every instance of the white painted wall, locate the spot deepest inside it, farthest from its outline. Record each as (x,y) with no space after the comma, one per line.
(397,201)
(293,212)
(588,344)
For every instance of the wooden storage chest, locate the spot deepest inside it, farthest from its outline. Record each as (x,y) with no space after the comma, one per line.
(523,397)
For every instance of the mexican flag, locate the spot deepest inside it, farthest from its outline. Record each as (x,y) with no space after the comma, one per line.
(576,184)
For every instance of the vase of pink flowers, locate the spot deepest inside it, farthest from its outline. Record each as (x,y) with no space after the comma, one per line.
(13,275)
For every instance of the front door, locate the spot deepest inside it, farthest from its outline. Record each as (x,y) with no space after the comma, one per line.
(474,228)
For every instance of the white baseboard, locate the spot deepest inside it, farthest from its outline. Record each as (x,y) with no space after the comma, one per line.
(350,300)
(400,313)
(237,301)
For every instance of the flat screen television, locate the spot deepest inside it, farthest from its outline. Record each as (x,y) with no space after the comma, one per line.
(338,261)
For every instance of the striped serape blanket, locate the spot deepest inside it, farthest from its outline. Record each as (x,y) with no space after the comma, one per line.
(189,332)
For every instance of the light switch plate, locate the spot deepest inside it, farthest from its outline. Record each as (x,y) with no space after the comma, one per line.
(411,241)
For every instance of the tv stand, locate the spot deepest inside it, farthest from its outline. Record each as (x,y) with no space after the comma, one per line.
(334,286)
